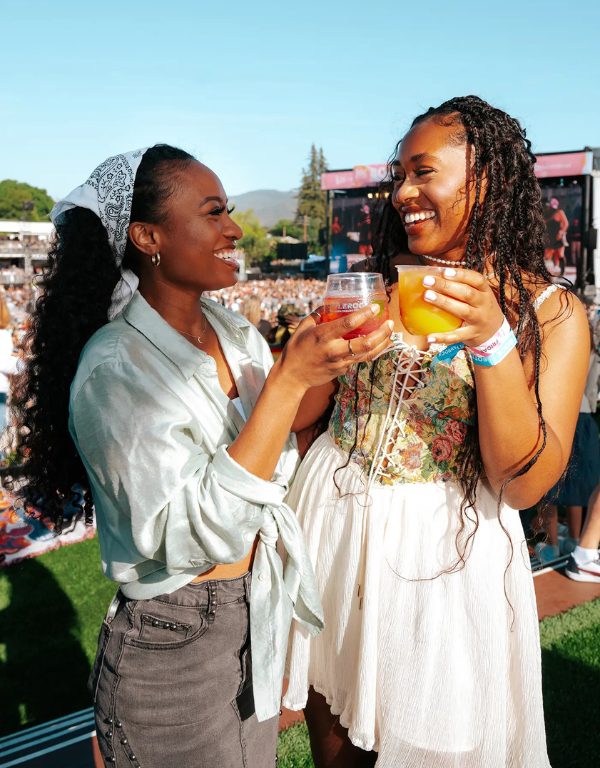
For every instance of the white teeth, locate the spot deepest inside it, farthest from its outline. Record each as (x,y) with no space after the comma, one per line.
(227,255)
(410,218)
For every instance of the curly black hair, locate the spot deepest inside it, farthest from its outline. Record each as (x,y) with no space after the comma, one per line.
(77,287)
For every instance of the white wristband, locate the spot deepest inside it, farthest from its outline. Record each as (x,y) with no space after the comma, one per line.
(493,344)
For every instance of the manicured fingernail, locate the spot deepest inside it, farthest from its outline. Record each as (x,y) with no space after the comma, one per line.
(430,296)
(431,338)
(428,280)
(449,272)
(375,309)
(390,325)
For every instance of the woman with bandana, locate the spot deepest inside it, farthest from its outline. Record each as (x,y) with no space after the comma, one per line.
(167,409)
(410,501)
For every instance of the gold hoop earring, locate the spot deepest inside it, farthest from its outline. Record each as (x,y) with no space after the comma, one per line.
(155,258)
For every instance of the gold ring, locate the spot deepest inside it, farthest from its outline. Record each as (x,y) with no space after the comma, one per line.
(352,353)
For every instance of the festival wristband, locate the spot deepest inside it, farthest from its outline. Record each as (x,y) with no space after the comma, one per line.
(499,353)
(448,354)
(492,345)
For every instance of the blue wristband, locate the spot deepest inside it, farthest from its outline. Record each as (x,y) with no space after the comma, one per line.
(447,354)
(510,342)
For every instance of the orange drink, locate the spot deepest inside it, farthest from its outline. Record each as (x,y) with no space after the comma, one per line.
(349,291)
(420,317)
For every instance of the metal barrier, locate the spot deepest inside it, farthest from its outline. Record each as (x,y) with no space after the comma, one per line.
(45,745)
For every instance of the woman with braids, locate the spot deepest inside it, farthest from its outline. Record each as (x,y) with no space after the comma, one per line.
(175,419)
(409,502)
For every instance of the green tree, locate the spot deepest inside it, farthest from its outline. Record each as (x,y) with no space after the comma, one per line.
(254,241)
(312,201)
(286,228)
(22,202)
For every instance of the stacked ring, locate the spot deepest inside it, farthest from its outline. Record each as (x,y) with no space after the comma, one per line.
(352,352)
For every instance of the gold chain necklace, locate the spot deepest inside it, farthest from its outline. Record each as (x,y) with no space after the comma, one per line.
(196,338)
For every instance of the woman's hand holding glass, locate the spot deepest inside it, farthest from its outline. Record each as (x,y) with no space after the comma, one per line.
(467,295)
(318,351)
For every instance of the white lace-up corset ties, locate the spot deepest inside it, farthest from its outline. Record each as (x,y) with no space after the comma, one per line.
(419,415)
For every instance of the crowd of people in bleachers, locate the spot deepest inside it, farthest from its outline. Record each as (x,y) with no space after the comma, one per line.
(275,307)
(301,294)
(19,300)
(12,244)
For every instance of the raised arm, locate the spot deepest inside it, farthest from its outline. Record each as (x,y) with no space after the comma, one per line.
(311,359)
(507,412)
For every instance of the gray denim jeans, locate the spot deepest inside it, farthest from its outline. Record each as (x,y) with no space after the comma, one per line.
(172,682)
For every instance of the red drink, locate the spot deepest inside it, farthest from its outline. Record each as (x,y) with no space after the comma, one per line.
(338,306)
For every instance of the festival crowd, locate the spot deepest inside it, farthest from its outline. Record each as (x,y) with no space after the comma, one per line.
(302,294)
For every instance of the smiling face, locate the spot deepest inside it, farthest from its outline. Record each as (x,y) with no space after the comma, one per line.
(196,237)
(432,193)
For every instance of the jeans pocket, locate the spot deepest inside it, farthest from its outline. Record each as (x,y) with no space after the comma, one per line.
(159,628)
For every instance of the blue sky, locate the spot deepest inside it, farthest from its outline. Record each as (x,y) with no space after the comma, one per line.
(247,87)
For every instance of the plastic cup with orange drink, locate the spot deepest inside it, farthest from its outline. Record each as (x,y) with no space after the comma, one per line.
(420,317)
(348,291)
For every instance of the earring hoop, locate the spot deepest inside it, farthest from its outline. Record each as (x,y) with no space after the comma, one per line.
(155,258)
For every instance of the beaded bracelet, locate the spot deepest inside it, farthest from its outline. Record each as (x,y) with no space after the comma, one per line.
(496,348)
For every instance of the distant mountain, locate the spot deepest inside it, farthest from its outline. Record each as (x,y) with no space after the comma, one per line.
(269,205)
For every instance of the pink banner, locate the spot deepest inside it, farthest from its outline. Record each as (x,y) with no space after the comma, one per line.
(563,164)
(547,166)
(359,176)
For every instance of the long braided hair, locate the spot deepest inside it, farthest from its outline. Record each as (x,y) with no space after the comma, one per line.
(505,231)
(77,287)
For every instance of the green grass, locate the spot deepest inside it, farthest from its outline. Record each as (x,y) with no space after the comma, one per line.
(51,608)
(293,749)
(571,680)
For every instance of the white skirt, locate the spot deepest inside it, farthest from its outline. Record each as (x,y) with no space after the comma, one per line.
(435,670)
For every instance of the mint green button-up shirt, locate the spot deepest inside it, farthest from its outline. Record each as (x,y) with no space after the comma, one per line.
(152,425)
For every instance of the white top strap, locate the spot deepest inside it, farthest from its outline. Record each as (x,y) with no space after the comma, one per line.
(544,295)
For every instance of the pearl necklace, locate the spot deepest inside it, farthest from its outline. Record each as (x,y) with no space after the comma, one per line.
(445,261)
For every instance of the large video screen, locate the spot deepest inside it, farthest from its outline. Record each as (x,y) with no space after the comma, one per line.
(351,227)
(354,218)
(563,203)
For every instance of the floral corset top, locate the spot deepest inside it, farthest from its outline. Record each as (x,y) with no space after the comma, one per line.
(402,427)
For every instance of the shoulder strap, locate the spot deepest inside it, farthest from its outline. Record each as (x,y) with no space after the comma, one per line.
(545,294)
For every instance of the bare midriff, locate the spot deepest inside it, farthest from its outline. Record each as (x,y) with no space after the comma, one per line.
(230,570)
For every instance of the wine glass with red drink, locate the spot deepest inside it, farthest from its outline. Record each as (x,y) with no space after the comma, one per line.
(348,291)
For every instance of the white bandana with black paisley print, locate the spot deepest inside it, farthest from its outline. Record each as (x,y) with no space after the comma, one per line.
(108,193)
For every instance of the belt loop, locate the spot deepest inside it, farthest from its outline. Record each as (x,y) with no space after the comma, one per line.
(248,585)
(113,607)
(212,601)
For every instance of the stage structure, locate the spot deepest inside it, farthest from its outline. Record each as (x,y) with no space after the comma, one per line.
(570,183)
